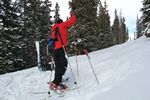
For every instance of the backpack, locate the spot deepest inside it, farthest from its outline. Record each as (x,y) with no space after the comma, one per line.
(51,42)
(51,46)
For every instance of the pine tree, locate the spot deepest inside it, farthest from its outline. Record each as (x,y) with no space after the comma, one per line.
(31,31)
(105,38)
(9,33)
(86,12)
(45,29)
(119,28)
(127,34)
(57,16)
(146,17)
(21,23)
(139,27)
(37,28)
(116,28)
(123,31)
(121,24)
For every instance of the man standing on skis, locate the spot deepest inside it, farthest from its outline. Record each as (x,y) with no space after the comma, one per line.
(60,38)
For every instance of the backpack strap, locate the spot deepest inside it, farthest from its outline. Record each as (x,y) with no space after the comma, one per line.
(57,33)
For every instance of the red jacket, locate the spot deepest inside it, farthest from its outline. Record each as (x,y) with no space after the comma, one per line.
(63,27)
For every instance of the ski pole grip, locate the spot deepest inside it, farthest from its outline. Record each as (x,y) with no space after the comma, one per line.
(85,51)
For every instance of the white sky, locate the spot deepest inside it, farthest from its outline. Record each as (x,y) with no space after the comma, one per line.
(130,9)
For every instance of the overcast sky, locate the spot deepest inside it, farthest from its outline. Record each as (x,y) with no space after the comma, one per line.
(129,8)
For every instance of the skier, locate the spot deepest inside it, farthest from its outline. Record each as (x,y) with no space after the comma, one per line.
(60,39)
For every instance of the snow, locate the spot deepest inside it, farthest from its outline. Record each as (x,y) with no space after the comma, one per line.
(122,70)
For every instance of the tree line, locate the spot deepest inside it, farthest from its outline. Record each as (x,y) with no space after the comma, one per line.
(22,22)
(94,27)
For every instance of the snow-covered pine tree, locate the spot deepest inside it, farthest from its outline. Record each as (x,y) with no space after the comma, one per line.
(19,38)
(9,33)
(45,22)
(31,30)
(44,30)
(37,28)
(86,28)
(146,17)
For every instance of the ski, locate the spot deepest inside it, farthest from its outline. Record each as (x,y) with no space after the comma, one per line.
(51,94)
(39,92)
(37,44)
(50,91)
(59,94)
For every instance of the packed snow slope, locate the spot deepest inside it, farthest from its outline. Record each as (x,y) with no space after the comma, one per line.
(123,72)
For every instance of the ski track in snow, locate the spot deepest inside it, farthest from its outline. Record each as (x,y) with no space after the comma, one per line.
(112,66)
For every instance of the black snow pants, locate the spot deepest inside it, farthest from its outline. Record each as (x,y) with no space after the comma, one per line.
(61,65)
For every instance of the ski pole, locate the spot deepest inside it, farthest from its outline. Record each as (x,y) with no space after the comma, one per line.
(58,31)
(85,51)
(74,45)
(71,69)
(76,59)
(77,66)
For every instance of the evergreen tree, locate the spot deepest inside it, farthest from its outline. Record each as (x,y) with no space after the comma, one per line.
(37,28)
(45,30)
(31,30)
(57,16)
(121,24)
(116,28)
(127,34)
(146,17)
(124,34)
(105,38)
(119,29)
(138,27)
(86,12)
(9,33)
(21,23)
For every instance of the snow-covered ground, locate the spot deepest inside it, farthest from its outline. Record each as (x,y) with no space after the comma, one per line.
(123,72)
